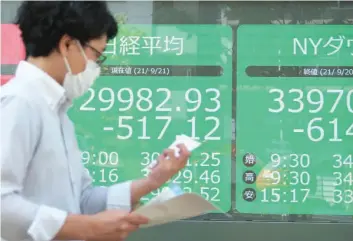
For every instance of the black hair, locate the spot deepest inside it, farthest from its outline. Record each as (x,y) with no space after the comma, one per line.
(43,23)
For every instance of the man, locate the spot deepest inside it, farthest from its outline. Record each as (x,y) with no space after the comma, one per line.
(46,193)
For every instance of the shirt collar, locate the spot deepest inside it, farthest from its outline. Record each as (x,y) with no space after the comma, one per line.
(52,91)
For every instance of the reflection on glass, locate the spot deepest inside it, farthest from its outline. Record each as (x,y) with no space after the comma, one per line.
(292,179)
(286,180)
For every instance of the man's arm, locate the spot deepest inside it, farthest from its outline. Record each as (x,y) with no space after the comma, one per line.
(121,196)
(22,219)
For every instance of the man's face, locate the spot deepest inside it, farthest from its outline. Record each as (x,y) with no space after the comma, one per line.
(93,49)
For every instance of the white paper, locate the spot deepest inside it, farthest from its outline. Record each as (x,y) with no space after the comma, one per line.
(180,139)
(187,141)
(184,206)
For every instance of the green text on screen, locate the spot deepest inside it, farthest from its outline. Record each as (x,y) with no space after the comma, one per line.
(160,81)
(294,119)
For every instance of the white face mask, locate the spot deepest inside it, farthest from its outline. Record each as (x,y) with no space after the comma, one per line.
(77,85)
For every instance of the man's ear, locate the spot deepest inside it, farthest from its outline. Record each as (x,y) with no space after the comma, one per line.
(65,44)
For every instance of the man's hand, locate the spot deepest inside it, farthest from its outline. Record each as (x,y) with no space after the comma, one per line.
(113,225)
(168,165)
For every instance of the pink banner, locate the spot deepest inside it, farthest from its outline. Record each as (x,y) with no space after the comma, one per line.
(12,50)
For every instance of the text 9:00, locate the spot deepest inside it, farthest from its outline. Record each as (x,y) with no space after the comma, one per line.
(103,158)
(142,99)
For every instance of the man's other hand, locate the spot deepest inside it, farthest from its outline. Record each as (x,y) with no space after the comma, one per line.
(113,225)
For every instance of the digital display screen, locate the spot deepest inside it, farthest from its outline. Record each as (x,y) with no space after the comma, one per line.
(294,119)
(160,81)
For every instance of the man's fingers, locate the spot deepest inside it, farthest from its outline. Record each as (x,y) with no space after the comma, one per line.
(123,235)
(169,153)
(136,219)
(183,150)
(162,156)
(128,227)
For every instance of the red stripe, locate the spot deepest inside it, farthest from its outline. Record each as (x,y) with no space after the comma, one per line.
(12,48)
(5,79)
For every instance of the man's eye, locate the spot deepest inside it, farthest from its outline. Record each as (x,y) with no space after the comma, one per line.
(100,60)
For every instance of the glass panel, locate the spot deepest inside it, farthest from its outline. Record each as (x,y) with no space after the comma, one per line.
(283,72)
